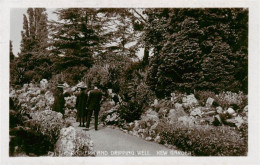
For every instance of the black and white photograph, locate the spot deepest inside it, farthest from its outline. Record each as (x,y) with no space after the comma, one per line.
(148,82)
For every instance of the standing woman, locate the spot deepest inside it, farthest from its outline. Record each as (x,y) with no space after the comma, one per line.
(81,105)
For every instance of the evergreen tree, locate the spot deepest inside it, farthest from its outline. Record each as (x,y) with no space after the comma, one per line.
(198,49)
(35,32)
(11,51)
(75,36)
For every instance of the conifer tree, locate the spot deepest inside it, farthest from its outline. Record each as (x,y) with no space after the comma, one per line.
(35,32)
(11,51)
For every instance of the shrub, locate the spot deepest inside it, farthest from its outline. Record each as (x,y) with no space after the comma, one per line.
(29,141)
(225,99)
(130,111)
(204,140)
(98,76)
(202,96)
(35,134)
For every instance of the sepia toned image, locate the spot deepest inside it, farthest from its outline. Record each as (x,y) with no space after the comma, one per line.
(128,82)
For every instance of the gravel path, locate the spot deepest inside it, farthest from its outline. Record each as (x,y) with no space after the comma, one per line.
(114,142)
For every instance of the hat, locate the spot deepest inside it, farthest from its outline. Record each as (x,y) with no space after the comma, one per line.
(60,86)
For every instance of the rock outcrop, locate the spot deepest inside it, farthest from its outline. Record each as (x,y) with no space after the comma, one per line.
(73,143)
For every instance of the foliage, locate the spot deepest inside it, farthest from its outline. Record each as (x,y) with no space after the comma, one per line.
(97,76)
(11,51)
(130,111)
(202,96)
(27,68)
(35,32)
(27,140)
(197,49)
(33,133)
(228,98)
(204,140)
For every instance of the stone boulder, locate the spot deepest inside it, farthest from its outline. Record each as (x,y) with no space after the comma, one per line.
(230,111)
(73,143)
(219,109)
(245,109)
(189,101)
(150,117)
(163,112)
(43,83)
(209,102)
(217,120)
(174,114)
(70,102)
(209,113)
(178,107)
(235,122)
(187,120)
(49,97)
(196,112)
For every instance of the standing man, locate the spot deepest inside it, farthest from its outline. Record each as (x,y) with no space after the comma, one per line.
(94,100)
(81,104)
(59,100)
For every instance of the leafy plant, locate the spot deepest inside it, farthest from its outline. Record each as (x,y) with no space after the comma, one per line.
(204,140)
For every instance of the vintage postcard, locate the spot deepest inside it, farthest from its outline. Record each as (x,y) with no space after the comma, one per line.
(125,82)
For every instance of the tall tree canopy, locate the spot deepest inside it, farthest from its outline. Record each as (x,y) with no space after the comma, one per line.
(197,49)
(35,32)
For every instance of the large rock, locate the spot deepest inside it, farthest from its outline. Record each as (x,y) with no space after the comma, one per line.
(43,83)
(196,112)
(187,120)
(219,109)
(245,109)
(73,143)
(163,112)
(49,97)
(189,101)
(209,113)
(174,114)
(178,107)
(231,111)
(70,102)
(217,120)
(235,122)
(150,117)
(209,102)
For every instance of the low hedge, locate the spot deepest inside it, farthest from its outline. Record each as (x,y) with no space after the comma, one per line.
(204,140)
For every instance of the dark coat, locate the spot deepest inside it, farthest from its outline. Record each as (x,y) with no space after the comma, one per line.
(59,103)
(94,99)
(81,104)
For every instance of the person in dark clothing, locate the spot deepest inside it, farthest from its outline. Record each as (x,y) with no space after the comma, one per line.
(77,94)
(93,104)
(59,100)
(81,104)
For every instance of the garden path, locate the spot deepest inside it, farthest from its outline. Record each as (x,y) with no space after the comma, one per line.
(114,142)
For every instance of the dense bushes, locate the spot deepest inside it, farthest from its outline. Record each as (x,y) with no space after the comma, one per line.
(36,134)
(204,140)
